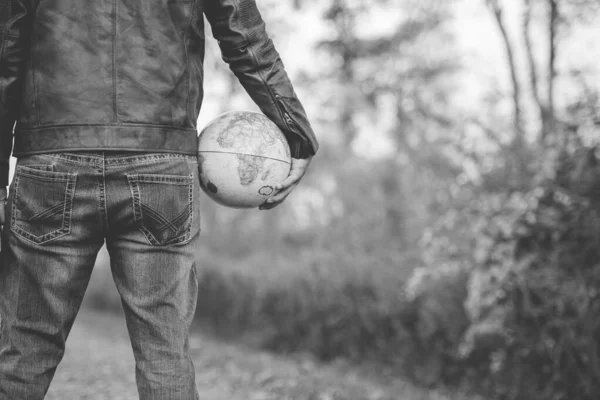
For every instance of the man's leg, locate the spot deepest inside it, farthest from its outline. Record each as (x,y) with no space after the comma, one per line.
(50,242)
(155,222)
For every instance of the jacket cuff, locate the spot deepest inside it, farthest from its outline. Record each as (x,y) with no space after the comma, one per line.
(295,125)
(4,169)
(301,149)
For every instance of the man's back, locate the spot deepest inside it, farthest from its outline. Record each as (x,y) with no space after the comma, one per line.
(108,74)
(128,74)
(105,96)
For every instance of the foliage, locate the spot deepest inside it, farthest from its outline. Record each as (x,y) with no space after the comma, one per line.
(533,302)
(464,249)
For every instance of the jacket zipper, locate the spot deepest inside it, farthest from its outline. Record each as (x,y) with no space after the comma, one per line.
(289,122)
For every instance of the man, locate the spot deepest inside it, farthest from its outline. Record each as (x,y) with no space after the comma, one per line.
(105,96)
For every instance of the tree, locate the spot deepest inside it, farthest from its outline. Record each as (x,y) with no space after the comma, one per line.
(389,77)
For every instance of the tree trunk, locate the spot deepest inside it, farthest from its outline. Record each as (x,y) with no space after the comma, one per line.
(516,86)
(517,158)
(553,23)
(533,72)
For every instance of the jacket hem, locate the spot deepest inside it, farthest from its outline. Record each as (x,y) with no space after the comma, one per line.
(106,137)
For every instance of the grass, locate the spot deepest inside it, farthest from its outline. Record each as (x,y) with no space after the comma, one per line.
(334,305)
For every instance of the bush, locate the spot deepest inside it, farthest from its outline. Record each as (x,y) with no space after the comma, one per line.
(330,305)
(533,303)
(437,322)
(342,306)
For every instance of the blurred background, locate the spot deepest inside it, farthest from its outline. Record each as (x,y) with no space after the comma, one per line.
(448,228)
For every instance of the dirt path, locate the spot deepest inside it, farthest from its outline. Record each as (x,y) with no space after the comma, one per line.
(98,364)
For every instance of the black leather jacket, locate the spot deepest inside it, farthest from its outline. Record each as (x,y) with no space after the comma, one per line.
(127,74)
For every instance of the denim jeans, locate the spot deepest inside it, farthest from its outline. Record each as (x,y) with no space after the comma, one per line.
(62,207)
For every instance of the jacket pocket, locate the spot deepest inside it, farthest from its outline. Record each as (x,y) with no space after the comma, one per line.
(43,203)
(162,207)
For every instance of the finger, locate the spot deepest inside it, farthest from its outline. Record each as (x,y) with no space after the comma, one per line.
(268,206)
(282,194)
(276,199)
(289,181)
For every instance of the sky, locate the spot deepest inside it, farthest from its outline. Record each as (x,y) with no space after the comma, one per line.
(480,44)
(482,53)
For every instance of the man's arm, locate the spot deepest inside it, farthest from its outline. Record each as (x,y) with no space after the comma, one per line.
(16,17)
(246,47)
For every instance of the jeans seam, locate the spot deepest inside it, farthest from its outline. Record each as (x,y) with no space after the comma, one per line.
(102,200)
(41,167)
(163,178)
(191,207)
(47,176)
(137,160)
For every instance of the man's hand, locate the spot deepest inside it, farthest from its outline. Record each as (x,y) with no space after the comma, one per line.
(297,171)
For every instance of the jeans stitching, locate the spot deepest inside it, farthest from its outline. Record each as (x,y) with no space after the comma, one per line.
(70,195)
(65,229)
(142,159)
(160,219)
(162,178)
(124,161)
(190,206)
(13,216)
(55,209)
(47,176)
(41,167)
(137,212)
(135,179)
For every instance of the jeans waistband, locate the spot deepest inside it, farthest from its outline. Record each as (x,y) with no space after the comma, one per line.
(108,158)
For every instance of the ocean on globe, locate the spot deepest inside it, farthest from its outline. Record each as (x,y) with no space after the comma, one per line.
(242,156)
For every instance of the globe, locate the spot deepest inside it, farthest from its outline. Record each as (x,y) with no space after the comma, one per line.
(242,156)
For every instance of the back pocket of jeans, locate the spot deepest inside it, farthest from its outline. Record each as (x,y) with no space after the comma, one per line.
(162,207)
(43,203)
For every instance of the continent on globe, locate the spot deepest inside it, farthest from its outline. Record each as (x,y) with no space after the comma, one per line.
(249,168)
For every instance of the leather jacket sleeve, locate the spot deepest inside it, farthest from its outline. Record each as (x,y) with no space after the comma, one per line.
(16,18)
(251,55)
